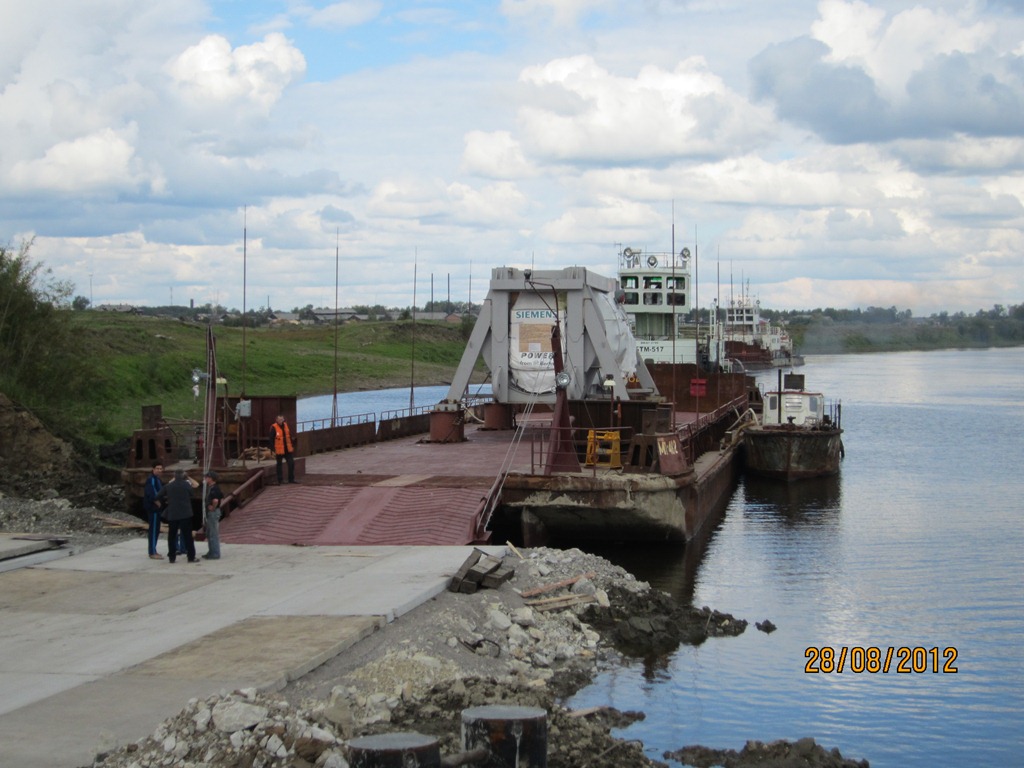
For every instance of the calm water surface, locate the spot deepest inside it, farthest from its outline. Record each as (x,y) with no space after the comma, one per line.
(917,543)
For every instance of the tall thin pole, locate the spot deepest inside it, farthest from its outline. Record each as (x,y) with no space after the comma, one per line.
(337,252)
(245,242)
(675,327)
(412,362)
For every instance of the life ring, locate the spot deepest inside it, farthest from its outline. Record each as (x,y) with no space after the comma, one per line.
(632,381)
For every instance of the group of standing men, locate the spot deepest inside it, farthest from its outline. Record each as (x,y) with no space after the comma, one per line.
(172,502)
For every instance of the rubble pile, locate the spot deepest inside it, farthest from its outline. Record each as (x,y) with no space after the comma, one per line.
(243,728)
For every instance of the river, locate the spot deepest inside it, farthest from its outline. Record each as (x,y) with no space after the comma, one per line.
(917,544)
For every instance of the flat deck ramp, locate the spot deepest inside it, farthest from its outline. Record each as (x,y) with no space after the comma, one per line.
(394,510)
(398,492)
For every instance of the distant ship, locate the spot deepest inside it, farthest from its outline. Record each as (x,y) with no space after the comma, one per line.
(656,294)
(748,342)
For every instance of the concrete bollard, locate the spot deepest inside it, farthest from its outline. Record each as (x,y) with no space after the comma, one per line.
(515,736)
(394,750)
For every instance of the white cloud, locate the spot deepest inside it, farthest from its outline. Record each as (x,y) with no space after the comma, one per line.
(578,111)
(495,155)
(890,53)
(103,161)
(562,12)
(346,14)
(211,71)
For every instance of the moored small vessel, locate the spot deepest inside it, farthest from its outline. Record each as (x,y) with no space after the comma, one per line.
(796,436)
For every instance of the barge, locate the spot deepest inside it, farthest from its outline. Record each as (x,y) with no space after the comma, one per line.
(579,439)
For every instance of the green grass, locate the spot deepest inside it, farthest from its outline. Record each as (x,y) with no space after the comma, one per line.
(140,361)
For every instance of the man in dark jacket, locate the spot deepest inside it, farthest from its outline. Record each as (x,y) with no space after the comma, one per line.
(152,507)
(178,514)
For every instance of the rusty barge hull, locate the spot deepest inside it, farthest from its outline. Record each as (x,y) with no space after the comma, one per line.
(618,507)
(792,453)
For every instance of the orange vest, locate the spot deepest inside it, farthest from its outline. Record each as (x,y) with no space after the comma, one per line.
(282,439)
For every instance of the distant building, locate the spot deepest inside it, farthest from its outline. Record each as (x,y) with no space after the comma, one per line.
(286,318)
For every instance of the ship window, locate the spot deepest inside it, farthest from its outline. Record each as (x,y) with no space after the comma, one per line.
(812,404)
(653,298)
(630,281)
(677,299)
(652,282)
(632,298)
(772,403)
(676,283)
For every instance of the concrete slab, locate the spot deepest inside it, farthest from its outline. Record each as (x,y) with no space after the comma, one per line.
(97,649)
(270,649)
(18,545)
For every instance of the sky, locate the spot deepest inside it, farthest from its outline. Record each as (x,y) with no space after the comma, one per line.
(257,153)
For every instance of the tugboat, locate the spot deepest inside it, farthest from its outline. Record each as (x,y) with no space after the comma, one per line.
(794,438)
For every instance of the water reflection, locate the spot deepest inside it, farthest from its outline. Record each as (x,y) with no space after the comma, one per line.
(814,501)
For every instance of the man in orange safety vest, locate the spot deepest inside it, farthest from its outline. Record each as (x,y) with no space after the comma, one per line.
(281,440)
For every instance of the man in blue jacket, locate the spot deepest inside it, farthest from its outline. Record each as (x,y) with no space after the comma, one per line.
(152,507)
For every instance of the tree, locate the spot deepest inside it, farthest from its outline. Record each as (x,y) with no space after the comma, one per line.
(80,303)
(38,357)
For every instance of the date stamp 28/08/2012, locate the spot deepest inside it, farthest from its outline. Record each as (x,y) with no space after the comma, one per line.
(874,659)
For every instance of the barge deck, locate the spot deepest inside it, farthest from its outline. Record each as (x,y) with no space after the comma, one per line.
(408,491)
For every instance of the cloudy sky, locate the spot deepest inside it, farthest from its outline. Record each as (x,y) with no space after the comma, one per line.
(832,153)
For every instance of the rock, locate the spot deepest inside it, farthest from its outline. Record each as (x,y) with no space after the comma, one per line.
(231,716)
(498,619)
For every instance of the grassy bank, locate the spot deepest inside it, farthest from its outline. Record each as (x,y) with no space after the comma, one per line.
(138,361)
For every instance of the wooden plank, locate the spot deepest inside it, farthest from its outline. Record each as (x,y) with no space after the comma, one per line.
(566,601)
(497,578)
(467,564)
(487,565)
(557,585)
